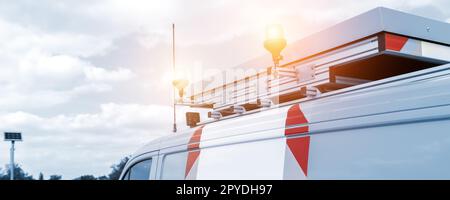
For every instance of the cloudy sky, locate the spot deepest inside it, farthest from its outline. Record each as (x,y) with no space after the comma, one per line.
(88,82)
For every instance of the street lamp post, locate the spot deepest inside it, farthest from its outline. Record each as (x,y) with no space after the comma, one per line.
(11,161)
(13,137)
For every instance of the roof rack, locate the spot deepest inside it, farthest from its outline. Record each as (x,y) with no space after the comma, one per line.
(372,46)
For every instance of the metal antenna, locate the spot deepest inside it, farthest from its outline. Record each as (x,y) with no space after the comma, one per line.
(174,92)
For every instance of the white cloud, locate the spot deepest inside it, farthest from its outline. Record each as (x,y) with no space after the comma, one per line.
(101,74)
(43,80)
(38,67)
(21,39)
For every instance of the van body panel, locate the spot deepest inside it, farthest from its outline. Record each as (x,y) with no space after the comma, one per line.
(263,159)
(418,150)
(396,131)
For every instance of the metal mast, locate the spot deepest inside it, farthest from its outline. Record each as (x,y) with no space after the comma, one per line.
(174,92)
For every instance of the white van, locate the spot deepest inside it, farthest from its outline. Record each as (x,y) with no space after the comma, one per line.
(375,105)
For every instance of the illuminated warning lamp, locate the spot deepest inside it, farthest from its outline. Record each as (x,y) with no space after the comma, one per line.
(275,42)
(180,84)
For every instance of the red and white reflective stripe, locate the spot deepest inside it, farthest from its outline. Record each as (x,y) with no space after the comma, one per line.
(300,148)
(395,42)
(416,47)
(296,123)
(194,142)
(193,149)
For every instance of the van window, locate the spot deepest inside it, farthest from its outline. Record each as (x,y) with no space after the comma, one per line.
(174,166)
(139,171)
(127,176)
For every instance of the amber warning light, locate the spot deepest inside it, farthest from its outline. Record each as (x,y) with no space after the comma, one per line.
(275,42)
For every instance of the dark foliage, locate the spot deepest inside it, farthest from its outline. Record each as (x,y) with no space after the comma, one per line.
(19,174)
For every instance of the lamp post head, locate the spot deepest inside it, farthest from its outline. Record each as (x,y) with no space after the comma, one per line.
(13,136)
(275,41)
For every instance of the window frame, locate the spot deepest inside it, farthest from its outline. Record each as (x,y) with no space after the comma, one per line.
(162,162)
(130,169)
(141,158)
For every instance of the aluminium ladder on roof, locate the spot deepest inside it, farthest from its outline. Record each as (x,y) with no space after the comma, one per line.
(317,71)
(347,60)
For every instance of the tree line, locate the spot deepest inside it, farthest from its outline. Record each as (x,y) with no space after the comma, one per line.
(20,174)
